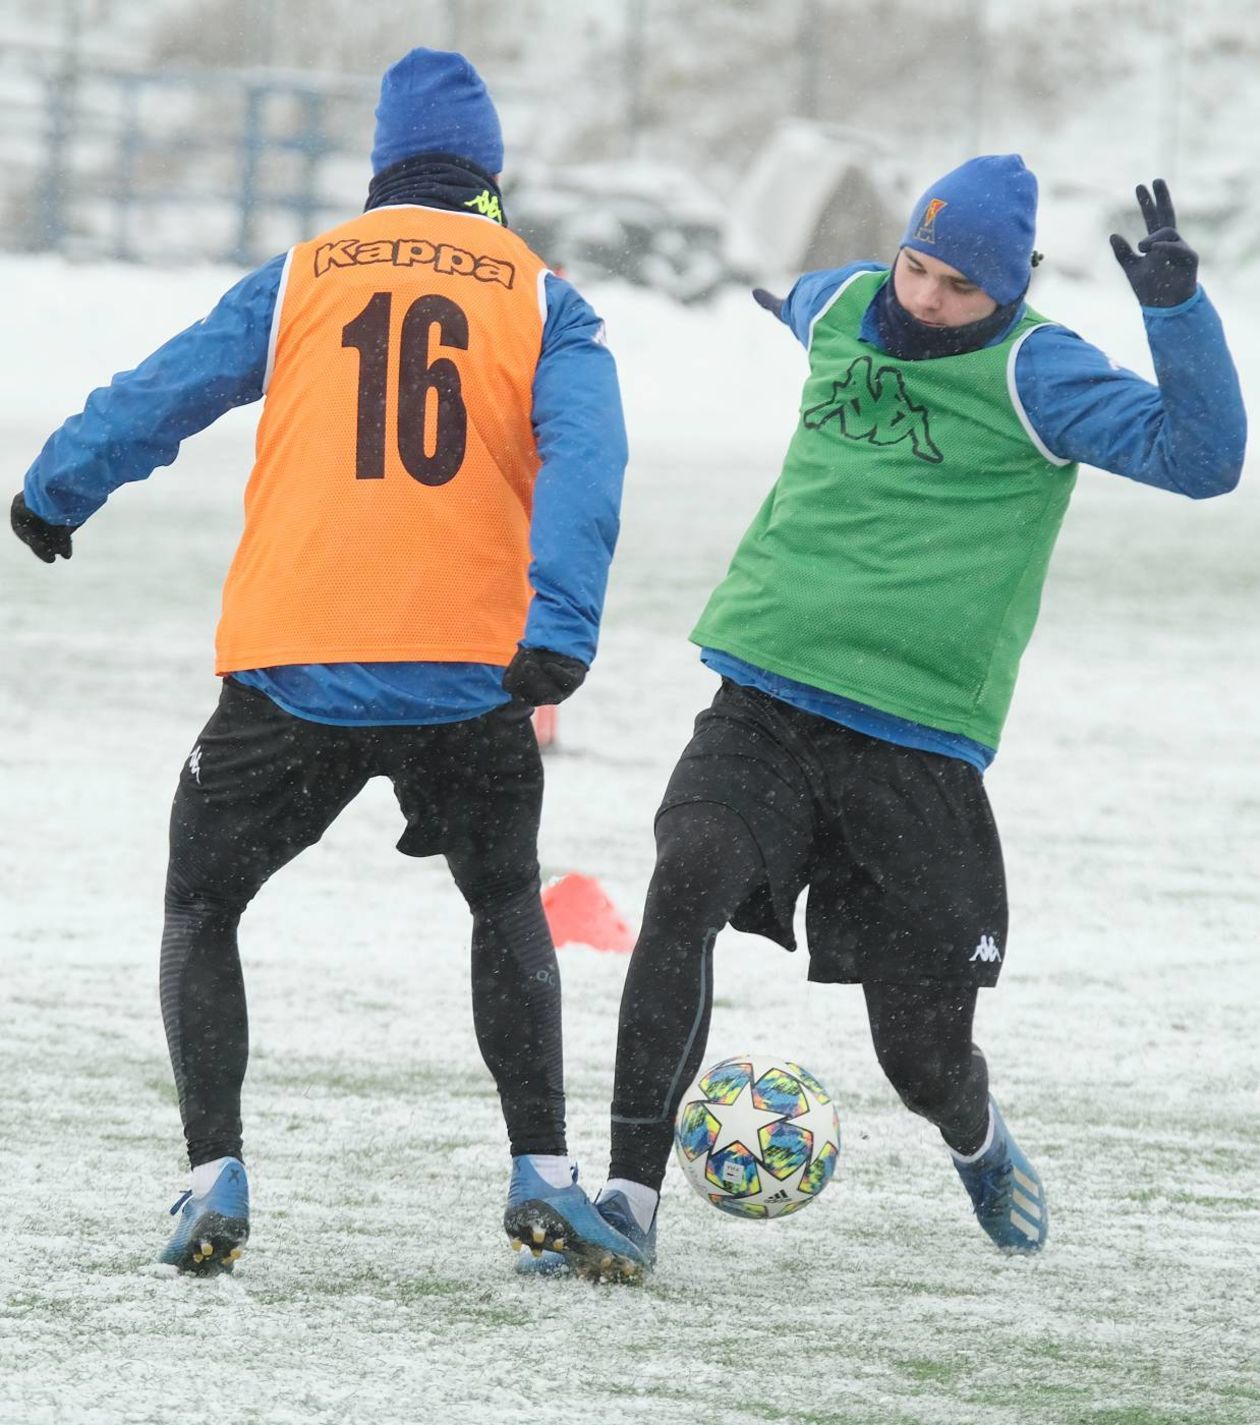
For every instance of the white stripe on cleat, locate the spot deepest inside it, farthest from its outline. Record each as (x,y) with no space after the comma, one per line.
(1029,1229)
(1026,1204)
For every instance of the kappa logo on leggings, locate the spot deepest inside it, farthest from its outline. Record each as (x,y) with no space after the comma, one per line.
(987,950)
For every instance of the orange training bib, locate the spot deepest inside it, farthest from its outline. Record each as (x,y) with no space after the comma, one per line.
(387,516)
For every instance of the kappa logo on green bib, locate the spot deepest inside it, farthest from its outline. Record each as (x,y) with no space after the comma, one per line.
(875,406)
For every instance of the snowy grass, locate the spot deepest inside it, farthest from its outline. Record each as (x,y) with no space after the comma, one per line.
(378,1286)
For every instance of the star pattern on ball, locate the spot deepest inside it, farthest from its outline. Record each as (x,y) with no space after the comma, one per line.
(741,1122)
(819,1121)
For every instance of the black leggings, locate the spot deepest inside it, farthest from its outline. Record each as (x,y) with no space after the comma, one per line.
(516,1014)
(260,787)
(707,865)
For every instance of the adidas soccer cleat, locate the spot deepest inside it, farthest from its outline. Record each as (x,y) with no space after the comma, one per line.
(545,1264)
(210,1231)
(1006,1191)
(564,1221)
(615,1210)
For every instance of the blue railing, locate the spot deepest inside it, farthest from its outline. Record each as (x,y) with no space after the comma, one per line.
(228,165)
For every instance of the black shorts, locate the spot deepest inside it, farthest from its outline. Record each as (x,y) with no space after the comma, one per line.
(260,785)
(898,847)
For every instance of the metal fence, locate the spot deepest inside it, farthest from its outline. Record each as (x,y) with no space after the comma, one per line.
(98,159)
(169,165)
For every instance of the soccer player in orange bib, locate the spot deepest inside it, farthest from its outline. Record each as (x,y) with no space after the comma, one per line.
(428,529)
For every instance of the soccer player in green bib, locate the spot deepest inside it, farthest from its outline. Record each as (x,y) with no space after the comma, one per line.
(868,636)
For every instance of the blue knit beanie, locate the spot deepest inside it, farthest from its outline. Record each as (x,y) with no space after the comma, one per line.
(434,101)
(980,218)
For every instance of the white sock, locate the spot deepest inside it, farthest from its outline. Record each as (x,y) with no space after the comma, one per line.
(982,1149)
(554,1169)
(642,1199)
(205,1174)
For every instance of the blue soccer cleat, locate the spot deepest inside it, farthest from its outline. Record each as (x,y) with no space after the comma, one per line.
(563,1222)
(211,1231)
(545,1264)
(1006,1191)
(615,1210)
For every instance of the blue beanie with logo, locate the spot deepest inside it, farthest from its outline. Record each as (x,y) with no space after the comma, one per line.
(434,101)
(980,218)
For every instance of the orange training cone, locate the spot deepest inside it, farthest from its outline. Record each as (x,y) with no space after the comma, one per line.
(579,913)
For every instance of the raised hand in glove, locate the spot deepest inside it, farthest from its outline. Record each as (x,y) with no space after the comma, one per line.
(772,304)
(538,676)
(46,540)
(1167,274)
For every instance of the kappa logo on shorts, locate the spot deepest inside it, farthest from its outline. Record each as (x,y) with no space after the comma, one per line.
(194,763)
(987,950)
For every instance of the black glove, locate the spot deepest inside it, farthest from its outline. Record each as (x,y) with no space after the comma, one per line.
(538,676)
(1168,274)
(769,301)
(47,540)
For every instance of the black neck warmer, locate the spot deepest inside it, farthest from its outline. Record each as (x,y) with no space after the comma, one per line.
(438,180)
(909,339)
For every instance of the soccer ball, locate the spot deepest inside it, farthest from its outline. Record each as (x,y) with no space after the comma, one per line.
(757,1137)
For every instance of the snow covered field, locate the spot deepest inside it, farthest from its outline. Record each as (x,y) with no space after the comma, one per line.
(378,1287)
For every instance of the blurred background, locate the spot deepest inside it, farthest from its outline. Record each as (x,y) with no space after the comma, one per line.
(676,147)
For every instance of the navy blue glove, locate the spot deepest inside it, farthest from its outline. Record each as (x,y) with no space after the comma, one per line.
(46,540)
(538,676)
(769,301)
(1168,273)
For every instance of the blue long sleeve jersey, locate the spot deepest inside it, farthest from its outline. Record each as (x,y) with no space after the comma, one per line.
(136,423)
(1187,434)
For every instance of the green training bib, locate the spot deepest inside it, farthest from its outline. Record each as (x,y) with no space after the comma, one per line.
(899,558)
